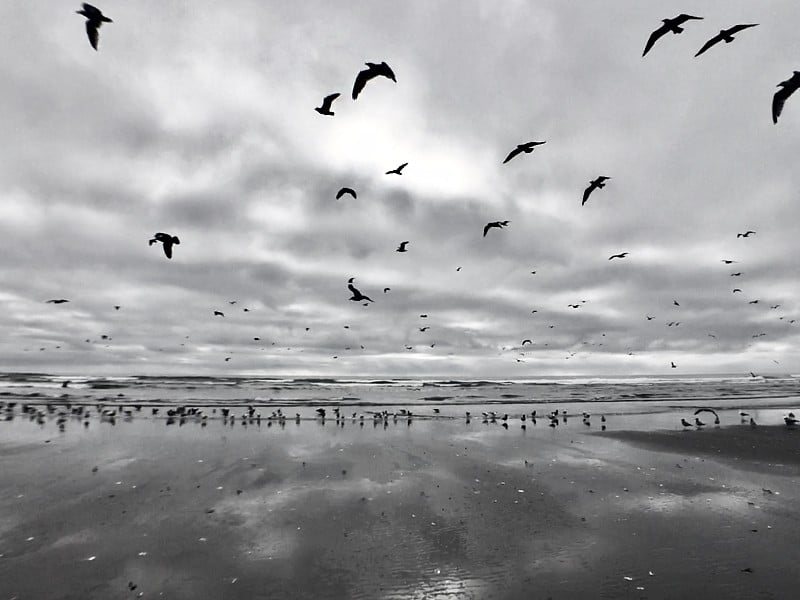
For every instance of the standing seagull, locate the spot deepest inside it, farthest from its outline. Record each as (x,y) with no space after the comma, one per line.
(94,19)
(398,170)
(593,185)
(166,239)
(724,35)
(402,247)
(673,25)
(498,224)
(325,109)
(357,296)
(371,72)
(527,148)
(788,88)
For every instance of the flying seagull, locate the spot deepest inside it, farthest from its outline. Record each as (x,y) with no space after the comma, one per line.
(526,341)
(402,247)
(94,19)
(498,224)
(325,109)
(788,88)
(527,148)
(219,313)
(593,185)
(386,289)
(357,296)
(747,233)
(728,262)
(673,25)
(725,35)
(398,170)
(167,239)
(57,301)
(737,290)
(621,255)
(373,70)
(346,190)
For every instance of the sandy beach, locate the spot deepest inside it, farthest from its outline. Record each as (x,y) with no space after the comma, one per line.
(437,508)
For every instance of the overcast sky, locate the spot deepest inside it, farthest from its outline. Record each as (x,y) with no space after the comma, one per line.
(196,118)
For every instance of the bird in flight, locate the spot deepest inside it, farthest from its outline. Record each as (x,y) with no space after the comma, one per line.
(219,313)
(357,296)
(527,148)
(373,70)
(325,109)
(424,329)
(346,190)
(675,302)
(57,301)
(725,35)
(737,290)
(649,318)
(728,262)
(621,255)
(526,341)
(738,274)
(753,302)
(386,289)
(775,306)
(398,170)
(94,19)
(167,240)
(402,247)
(498,224)
(593,185)
(747,233)
(673,365)
(673,25)
(788,88)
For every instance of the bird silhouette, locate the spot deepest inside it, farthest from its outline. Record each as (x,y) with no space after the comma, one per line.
(685,423)
(167,240)
(57,301)
(737,274)
(724,35)
(498,224)
(386,289)
(402,247)
(527,148)
(675,302)
(373,70)
(728,262)
(94,19)
(621,255)
(737,290)
(346,190)
(788,88)
(398,170)
(424,329)
(673,25)
(747,233)
(649,318)
(219,313)
(526,341)
(357,295)
(673,365)
(325,109)
(593,185)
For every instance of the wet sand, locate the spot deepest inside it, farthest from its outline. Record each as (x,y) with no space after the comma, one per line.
(434,509)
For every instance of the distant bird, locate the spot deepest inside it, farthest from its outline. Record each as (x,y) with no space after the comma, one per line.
(498,224)
(526,341)
(753,302)
(673,25)
(94,19)
(728,262)
(673,365)
(622,255)
(325,109)
(386,290)
(402,247)
(725,35)
(527,148)
(649,318)
(424,329)
(167,240)
(117,307)
(747,233)
(685,423)
(357,296)
(738,274)
(775,306)
(57,301)
(675,302)
(593,185)
(219,313)
(373,70)
(788,88)
(737,290)
(398,170)
(346,190)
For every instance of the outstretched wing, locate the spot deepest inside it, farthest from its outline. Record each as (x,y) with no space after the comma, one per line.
(740,27)
(92,32)
(168,248)
(778,100)
(361,80)
(346,190)
(654,37)
(328,100)
(586,193)
(512,154)
(712,42)
(487,227)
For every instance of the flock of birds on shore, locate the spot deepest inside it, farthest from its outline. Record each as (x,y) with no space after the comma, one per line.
(95,19)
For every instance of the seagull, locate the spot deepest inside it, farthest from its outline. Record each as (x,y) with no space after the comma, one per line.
(622,255)
(673,365)
(424,329)
(357,296)
(747,233)
(728,262)
(94,19)
(673,25)
(373,70)
(526,341)
(788,88)
(498,224)
(386,289)
(325,109)
(398,170)
(698,422)
(725,35)
(346,190)
(527,148)
(57,301)
(685,423)
(593,185)
(675,302)
(167,239)
(753,302)
(737,290)
(775,306)
(402,247)
(219,313)
(739,274)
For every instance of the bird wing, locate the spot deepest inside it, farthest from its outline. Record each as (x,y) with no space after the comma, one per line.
(683,17)
(328,100)
(92,32)
(345,190)
(587,192)
(654,37)
(487,227)
(712,42)
(401,167)
(168,248)
(778,100)
(740,27)
(386,71)
(353,289)
(512,154)
(361,80)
